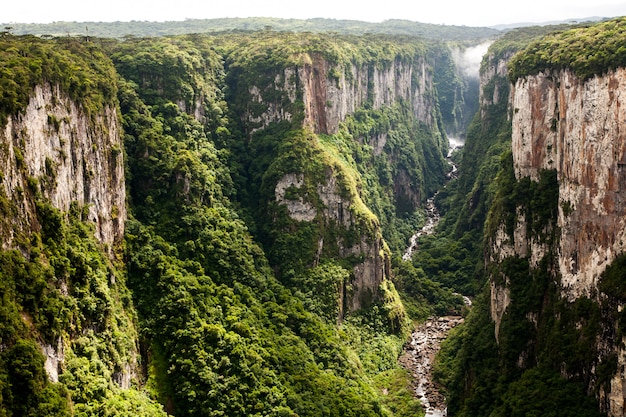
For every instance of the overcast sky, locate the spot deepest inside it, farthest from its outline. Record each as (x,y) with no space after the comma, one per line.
(449,12)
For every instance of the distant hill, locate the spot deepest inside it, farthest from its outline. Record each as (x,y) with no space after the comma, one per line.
(550,23)
(144,28)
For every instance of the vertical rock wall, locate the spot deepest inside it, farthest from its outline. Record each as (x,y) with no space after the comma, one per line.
(575,128)
(55,149)
(328,100)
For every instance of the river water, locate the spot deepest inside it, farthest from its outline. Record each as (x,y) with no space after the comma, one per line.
(432,214)
(418,357)
(419,354)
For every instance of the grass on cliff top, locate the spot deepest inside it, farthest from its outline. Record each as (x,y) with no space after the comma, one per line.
(78,67)
(586,50)
(285,49)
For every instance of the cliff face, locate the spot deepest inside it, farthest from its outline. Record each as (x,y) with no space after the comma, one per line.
(54,149)
(328,100)
(496,68)
(571,128)
(562,123)
(330,92)
(338,211)
(318,95)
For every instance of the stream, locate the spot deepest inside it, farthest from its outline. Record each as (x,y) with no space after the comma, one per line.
(418,357)
(432,214)
(419,353)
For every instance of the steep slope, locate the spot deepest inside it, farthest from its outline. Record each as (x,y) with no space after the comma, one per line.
(57,147)
(311,106)
(67,319)
(553,258)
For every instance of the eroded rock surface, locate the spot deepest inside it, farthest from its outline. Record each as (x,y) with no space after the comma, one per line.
(418,358)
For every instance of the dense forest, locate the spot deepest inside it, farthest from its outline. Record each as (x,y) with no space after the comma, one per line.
(272,172)
(215,301)
(252,24)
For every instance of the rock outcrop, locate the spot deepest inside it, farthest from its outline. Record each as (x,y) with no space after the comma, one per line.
(496,69)
(54,151)
(53,148)
(339,211)
(328,100)
(572,127)
(329,93)
(575,127)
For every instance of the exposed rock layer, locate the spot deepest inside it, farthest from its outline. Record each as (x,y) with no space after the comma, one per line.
(328,101)
(55,148)
(575,128)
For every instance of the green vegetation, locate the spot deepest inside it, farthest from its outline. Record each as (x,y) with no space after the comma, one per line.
(142,29)
(396,179)
(587,51)
(518,39)
(454,258)
(80,69)
(551,396)
(408,150)
(66,293)
(457,94)
(236,349)
(232,339)
(220,302)
(231,305)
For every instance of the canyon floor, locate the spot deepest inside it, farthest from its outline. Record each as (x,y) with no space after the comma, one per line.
(418,357)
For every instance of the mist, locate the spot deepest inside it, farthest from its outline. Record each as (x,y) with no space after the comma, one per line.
(468,60)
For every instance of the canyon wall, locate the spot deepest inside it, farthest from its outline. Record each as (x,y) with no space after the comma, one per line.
(54,149)
(330,92)
(318,95)
(573,129)
(576,128)
(54,153)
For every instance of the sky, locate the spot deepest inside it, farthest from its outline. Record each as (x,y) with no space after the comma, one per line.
(448,12)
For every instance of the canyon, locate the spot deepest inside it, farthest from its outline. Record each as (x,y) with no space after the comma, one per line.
(216,223)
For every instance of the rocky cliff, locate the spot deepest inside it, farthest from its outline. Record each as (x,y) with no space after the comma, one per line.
(331,92)
(55,150)
(318,95)
(563,224)
(563,123)
(575,127)
(492,92)
(67,318)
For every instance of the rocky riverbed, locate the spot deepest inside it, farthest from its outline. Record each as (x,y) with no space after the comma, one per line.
(419,353)
(432,214)
(432,219)
(418,357)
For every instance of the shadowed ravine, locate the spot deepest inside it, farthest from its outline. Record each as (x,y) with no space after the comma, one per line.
(432,214)
(418,357)
(419,353)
